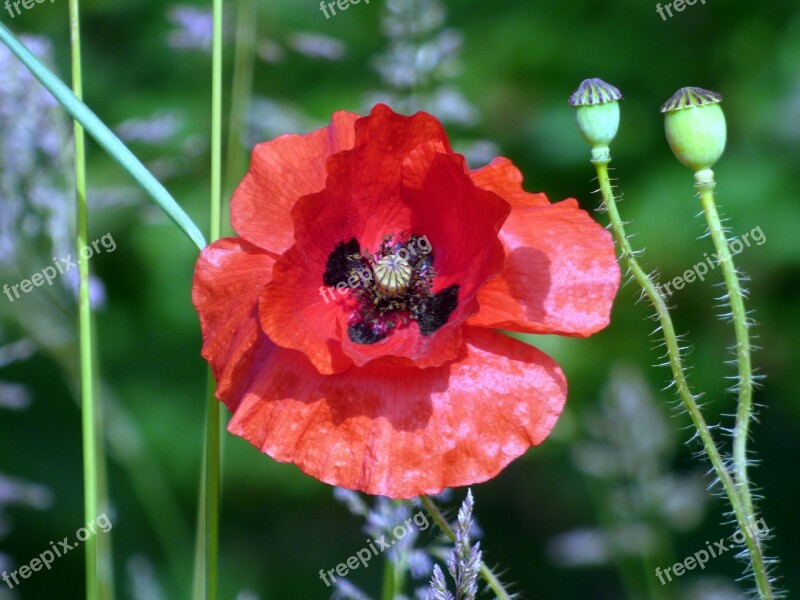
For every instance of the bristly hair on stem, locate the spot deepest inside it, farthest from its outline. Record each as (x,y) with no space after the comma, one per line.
(758,565)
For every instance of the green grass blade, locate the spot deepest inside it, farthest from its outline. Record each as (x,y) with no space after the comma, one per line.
(103,136)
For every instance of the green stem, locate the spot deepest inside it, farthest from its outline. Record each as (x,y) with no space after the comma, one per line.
(209,509)
(486,573)
(241,86)
(88,409)
(216,122)
(105,554)
(84,315)
(389,581)
(735,298)
(103,136)
(601,158)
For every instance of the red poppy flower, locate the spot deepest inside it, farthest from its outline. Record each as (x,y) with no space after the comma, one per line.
(352,328)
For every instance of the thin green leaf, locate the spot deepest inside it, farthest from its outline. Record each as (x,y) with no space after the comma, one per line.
(103,136)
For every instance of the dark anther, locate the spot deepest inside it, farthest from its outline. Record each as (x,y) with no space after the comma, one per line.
(341,263)
(363,333)
(437,310)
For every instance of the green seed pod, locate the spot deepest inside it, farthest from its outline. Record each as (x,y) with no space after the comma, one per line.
(695,127)
(392,275)
(598,112)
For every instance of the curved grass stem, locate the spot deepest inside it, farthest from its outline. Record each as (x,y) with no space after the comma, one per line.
(486,573)
(743,514)
(104,137)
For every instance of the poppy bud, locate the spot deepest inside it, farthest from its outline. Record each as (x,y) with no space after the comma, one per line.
(598,113)
(695,127)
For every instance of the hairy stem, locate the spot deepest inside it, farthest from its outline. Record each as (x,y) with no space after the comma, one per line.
(735,298)
(743,516)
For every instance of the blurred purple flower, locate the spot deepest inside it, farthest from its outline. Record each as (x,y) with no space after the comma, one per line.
(270,51)
(157,129)
(316,45)
(36,157)
(193,28)
(32,495)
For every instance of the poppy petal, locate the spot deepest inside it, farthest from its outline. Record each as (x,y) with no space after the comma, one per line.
(504,179)
(228,279)
(281,172)
(561,274)
(364,200)
(297,311)
(400,431)
(461,221)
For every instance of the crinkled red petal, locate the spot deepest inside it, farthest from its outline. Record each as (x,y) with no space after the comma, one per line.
(362,196)
(399,431)
(461,222)
(394,180)
(228,279)
(298,311)
(281,172)
(504,179)
(561,273)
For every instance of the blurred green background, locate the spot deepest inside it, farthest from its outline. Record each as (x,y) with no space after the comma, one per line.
(611,495)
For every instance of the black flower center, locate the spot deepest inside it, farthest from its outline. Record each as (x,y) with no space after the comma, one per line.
(392,287)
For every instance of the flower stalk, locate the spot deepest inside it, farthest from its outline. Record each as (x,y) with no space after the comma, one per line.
(743,513)
(241,87)
(696,131)
(207,555)
(89,417)
(700,154)
(743,348)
